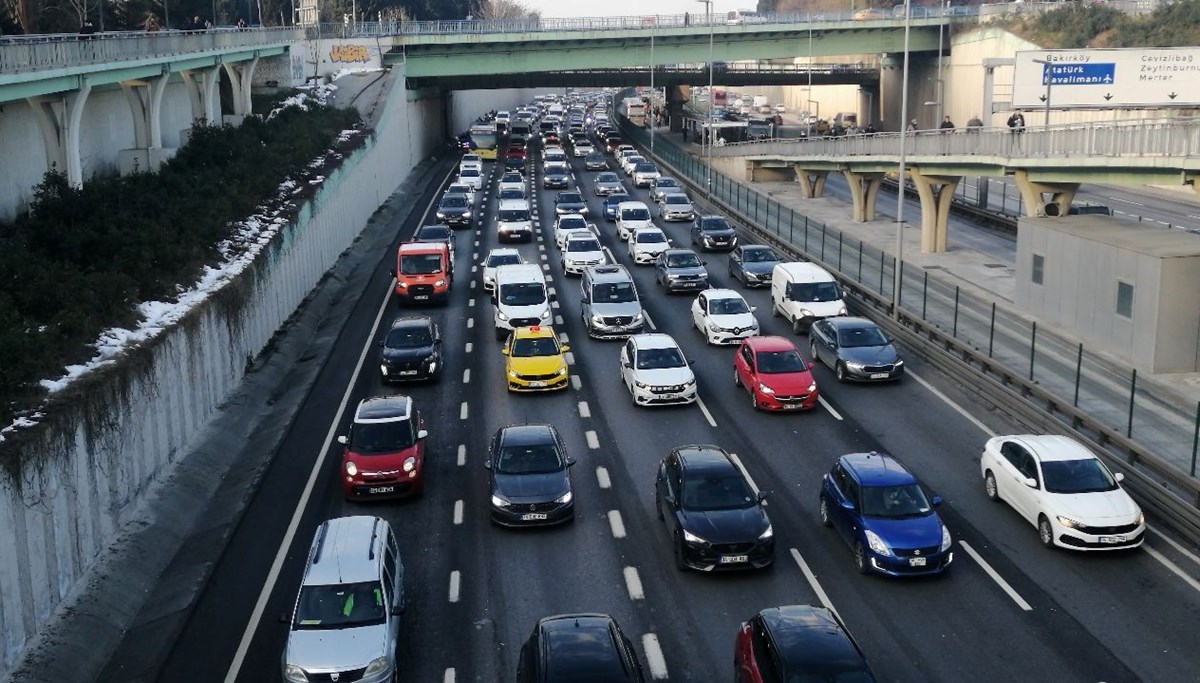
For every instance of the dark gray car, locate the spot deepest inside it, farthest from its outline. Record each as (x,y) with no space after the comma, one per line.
(680,270)
(608,183)
(856,349)
(752,264)
(713,232)
(456,210)
(530,481)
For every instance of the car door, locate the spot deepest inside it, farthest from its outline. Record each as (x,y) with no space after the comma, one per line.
(700,311)
(819,345)
(746,368)
(735,264)
(585,301)
(1010,481)
(843,511)
(628,358)
(666,495)
(1025,497)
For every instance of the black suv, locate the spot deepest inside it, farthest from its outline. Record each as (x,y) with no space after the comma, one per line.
(578,647)
(412,350)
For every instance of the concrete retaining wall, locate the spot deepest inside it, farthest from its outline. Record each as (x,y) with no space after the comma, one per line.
(69,486)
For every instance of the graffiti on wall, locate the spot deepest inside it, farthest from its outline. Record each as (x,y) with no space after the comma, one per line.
(349,54)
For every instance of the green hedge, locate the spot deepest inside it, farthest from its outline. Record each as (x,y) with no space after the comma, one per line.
(1096,24)
(83,258)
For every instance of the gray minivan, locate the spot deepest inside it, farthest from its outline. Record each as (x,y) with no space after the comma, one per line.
(610,306)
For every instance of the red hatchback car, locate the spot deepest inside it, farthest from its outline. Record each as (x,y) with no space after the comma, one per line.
(775,374)
(385,449)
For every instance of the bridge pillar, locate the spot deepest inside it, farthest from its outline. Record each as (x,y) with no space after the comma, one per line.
(1061,195)
(677,96)
(202,91)
(864,189)
(241,75)
(59,118)
(812,183)
(145,102)
(935,208)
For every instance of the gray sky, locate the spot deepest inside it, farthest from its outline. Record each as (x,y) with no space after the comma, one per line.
(632,8)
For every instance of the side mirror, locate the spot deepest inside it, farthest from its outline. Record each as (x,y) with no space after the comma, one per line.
(1031,482)
(704,263)
(1119,477)
(343,440)
(762,496)
(753,309)
(565,347)
(571,462)
(691,362)
(487,464)
(422,433)
(937,500)
(504,351)
(627,364)
(847,504)
(552,297)
(669,499)
(392,272)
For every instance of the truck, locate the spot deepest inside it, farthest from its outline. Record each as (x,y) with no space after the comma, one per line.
(762,105)
(635,110)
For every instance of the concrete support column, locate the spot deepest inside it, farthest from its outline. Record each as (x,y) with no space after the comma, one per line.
(1061,195)
(864,190)
(145,102)
(812,182)
(677,96)
(937,194)
(60,120)
(202,90)
(241,75)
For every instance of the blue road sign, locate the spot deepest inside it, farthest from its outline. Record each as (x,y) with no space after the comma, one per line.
(1079,74)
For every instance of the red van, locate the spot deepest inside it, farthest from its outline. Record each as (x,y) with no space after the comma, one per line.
(423,273)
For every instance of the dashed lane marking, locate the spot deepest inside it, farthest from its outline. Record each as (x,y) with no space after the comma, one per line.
(563,338)
(458,512)
(745,473)
(615,523)
(462,454)
(649,320)
(471,301)
(569,357)
(602,478)
(450,676)
(1004,585)
(584,410)
(704,409)
(633,584)
(463,411)
(472,284)
(466,376)
(950,402)
(558,320)
(654,657)
(593,441)
(812,581)
(1174,568)
(470,323)
(826,406)
(575,382)
(455,585)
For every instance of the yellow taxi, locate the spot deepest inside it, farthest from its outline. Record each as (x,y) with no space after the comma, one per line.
(534,360)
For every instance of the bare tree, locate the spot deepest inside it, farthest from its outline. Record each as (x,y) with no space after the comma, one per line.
(505,9)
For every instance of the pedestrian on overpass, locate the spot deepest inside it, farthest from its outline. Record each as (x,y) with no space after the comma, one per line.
(974,124)
(1016,122)
(946,126)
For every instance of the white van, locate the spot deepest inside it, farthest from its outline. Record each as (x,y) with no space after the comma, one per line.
(630,217)
(519,298)
(513,220)
(803,293)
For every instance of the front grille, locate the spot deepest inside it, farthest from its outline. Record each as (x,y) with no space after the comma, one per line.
(732,548)
(683,278)
(792,399)
(399,366)
(916,552)
(675,389)
(1108,530)
(523,322)
(534,507)
(618,320)
(342,677)
(420,290)
(878,368)
(539,378)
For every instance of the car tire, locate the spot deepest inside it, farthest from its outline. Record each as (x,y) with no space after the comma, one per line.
(1045,531)
(677,551)
(860,558)
(824,512)
(812,353)
(839,371)
(658,506)
(501,334)
(774,309)
(990,488)
(737,381)
(797,327)
(753,400)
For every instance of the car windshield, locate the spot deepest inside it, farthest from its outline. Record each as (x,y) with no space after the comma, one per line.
(904,500)
(759,255)
(572,223)
(459,189)
(659,359)
(615,199)
(570,198)
(512,178)
(534,346)
(714,224)
(814,291)
(730,306)
(528,459)
(583,245)
(340,606)
(502,260)
(469,173)
(454,201)
(420,264)
(683,261)
(381,437)
(650,237)
(1077,476)
(512,215)
(780,361)
(608,177)
(434,232)
(853,337)
(408,337)
(676,199)
(665,182)
(594,156)
(717,492)
(645,168)
(522,294)
(613,293)
(635,215)
(512,193)
(556,156)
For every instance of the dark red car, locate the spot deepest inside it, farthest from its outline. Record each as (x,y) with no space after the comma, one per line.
(515,152)
(385,450)
(612,143)
(777,377)
(797,643)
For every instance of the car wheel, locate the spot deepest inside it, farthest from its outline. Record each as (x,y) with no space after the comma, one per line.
(797,327)
(658,506)
(501,334)
(840,371)
(825,512)
(1045,531)
(680,564)
(989,486)
(812,352)
(737,381)
(753,399)
(860,558)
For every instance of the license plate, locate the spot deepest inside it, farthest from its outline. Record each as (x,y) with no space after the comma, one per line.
(879,375)
(734,559)
(1112,539)
(382,489)
(536,385)
(408,373)
(533,517)
(793,406)
(916,561)
(421,297)
(668,397)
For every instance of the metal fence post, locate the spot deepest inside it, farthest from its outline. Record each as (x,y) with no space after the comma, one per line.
(1132,393)
(925,295)
(806,235)
(992,330)
(791,225)
(1032,349)
(755,207)
(1196,438)
(954,333)
(840,240)
(822,242)
(1078,372)
(881,257)
(860,246)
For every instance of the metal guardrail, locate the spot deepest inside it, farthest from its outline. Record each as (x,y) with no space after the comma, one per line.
(1047,382)
(1173,138)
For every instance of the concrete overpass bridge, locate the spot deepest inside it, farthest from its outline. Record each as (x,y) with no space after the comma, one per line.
(1048,163)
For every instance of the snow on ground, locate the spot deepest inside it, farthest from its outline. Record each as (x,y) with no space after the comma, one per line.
(247,239)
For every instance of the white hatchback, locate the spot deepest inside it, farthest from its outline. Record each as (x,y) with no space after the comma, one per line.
(655,371)
(569,224)
(723,317)
(645,244)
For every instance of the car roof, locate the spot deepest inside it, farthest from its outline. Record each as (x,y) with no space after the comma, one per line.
(680,252)
(849,322)
(648,228)
(756,247)
(722,294)
(527,434)
(770,343)
(412,321)
(383,409)
(344,550)
(514,203)
(1051,447)
(611,272)
(529,272)
(700,458)
(576,645)
(504,251)
(805,636)
(654,340)
(876,469)
(578,236)
(804,271)
(423,247)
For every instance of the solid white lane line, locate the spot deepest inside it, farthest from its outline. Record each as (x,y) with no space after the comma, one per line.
(615,522)
(1176,545)
(745,473)
(987,568)
(961,410)
(584,410)
(593,441)
(575,382)
(654,657)
(463,411)
(1174,568)
(235,665)
(450,676)
(466,376)
(462,454)
(704,409)
(812,582)
(469,347)
(470,323)
(633,584)
(458,512)
(471,301)
(602,478)
(455,585)
(825,404)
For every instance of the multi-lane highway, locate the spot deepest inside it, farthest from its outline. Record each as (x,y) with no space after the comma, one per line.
(1007,610)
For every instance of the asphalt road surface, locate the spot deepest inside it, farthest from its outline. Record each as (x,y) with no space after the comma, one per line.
(1007,610)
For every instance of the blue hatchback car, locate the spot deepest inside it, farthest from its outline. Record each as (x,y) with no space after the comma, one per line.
(879,508)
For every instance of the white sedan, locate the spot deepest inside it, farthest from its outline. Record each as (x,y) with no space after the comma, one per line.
(655,371)
(568,224)
(1064,490)
(580,251)
(463,189)
(471,177)
(723,317)
(645,244)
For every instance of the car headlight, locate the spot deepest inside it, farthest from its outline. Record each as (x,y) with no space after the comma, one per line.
(432,364)
(692,538)
(383,369)
(945,540)
(842,311)
(466,214)
(762,388)
(500,315)
(564,498)
(876,544)
(513,374)
(640,384)
(351,468)
(805,313)
(597,319)
(377,665)
(440,282)
(410,463)
(294,674)
(898,363)
(689,383)
(401,284)
(441,214)
(853,365)
(1141,518)
(768,533)
(544,314)
(499,502)
(562,370)
(1068,522)
(637,318)
(715,327)
(812,387)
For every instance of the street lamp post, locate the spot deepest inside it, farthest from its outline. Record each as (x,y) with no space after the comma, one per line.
(1048,76)
(706,129)
(900,174)
(652,122)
